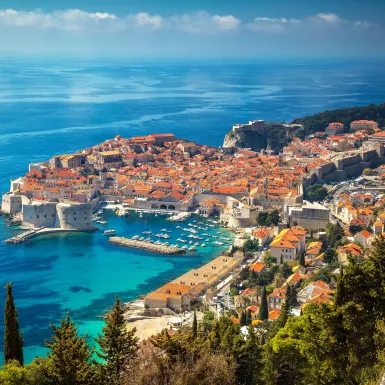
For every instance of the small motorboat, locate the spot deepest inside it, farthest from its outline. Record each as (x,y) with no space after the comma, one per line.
(109,232)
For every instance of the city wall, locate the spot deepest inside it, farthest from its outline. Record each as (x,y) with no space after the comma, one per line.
(349,167)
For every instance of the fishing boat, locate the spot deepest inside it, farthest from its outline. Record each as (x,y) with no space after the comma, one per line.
(109,232)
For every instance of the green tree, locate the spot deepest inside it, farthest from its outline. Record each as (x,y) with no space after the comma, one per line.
(264,310)
(354,229)
(272,218)
(302,259)
(330,255)
(69,356)
(248,317)
(316,193)
(12,373)
(13,340)
(118,346)
(285,270)
(195,326)
(262,218)
(242,318)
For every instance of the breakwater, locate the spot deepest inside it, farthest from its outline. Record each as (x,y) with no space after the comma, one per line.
(134,244)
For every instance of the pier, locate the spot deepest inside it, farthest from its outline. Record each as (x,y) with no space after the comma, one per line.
(134,244)
(23,237)
(180,217)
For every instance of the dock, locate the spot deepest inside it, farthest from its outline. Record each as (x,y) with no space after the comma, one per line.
(135,244)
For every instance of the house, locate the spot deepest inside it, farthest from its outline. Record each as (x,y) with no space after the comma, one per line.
(378,227)
(295,278)
(261,236)
(351,249)
(313,249)
(358,125)
(334,128)
(288,244)
(258,267)
(312,290)
(364,237)
(276,298)
(273,315)
(171,295)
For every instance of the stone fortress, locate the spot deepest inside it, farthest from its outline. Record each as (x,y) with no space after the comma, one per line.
(71,216)
(253,126)
(344,166)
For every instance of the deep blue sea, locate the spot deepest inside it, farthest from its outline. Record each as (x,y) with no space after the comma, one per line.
(54,107)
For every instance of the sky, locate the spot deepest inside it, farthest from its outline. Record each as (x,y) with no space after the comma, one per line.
(187,29)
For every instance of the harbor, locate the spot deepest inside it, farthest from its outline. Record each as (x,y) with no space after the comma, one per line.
(152,248)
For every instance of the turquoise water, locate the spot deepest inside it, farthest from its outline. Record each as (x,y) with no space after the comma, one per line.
(82,273)
(54,107)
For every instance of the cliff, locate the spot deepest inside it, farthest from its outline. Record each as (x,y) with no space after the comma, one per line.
(253,140)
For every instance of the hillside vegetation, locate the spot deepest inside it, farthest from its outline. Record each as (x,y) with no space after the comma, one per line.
(320,121)
(341,342)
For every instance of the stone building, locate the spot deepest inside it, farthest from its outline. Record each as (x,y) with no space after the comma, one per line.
(310,216)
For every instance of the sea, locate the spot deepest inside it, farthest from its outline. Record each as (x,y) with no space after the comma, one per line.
(50,107)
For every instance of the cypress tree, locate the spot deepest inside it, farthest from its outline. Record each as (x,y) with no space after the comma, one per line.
(242,320)
(118,346)
(13,340)
(264,310)
(69,356)
(248,318)
(195,326)
(302,259)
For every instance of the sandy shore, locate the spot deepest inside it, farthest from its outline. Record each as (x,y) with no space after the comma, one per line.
(148,327)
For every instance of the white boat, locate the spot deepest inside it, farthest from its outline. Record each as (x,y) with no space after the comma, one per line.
(147,232)
(197,244)
(109,232)
(192,248)
(184,247)
(135,237)
(208,240)
(191,242)
(203,244)
(102,222)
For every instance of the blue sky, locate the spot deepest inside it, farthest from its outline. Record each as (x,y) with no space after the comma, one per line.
(193,28)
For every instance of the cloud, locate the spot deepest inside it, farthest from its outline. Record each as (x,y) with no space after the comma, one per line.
(226,22)
(203,22)
(78,20)
(145,19)
(306,24)
(330,18)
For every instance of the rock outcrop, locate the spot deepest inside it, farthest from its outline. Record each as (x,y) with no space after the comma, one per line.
(254,140)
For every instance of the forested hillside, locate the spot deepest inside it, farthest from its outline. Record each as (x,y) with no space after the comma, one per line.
(320,121)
